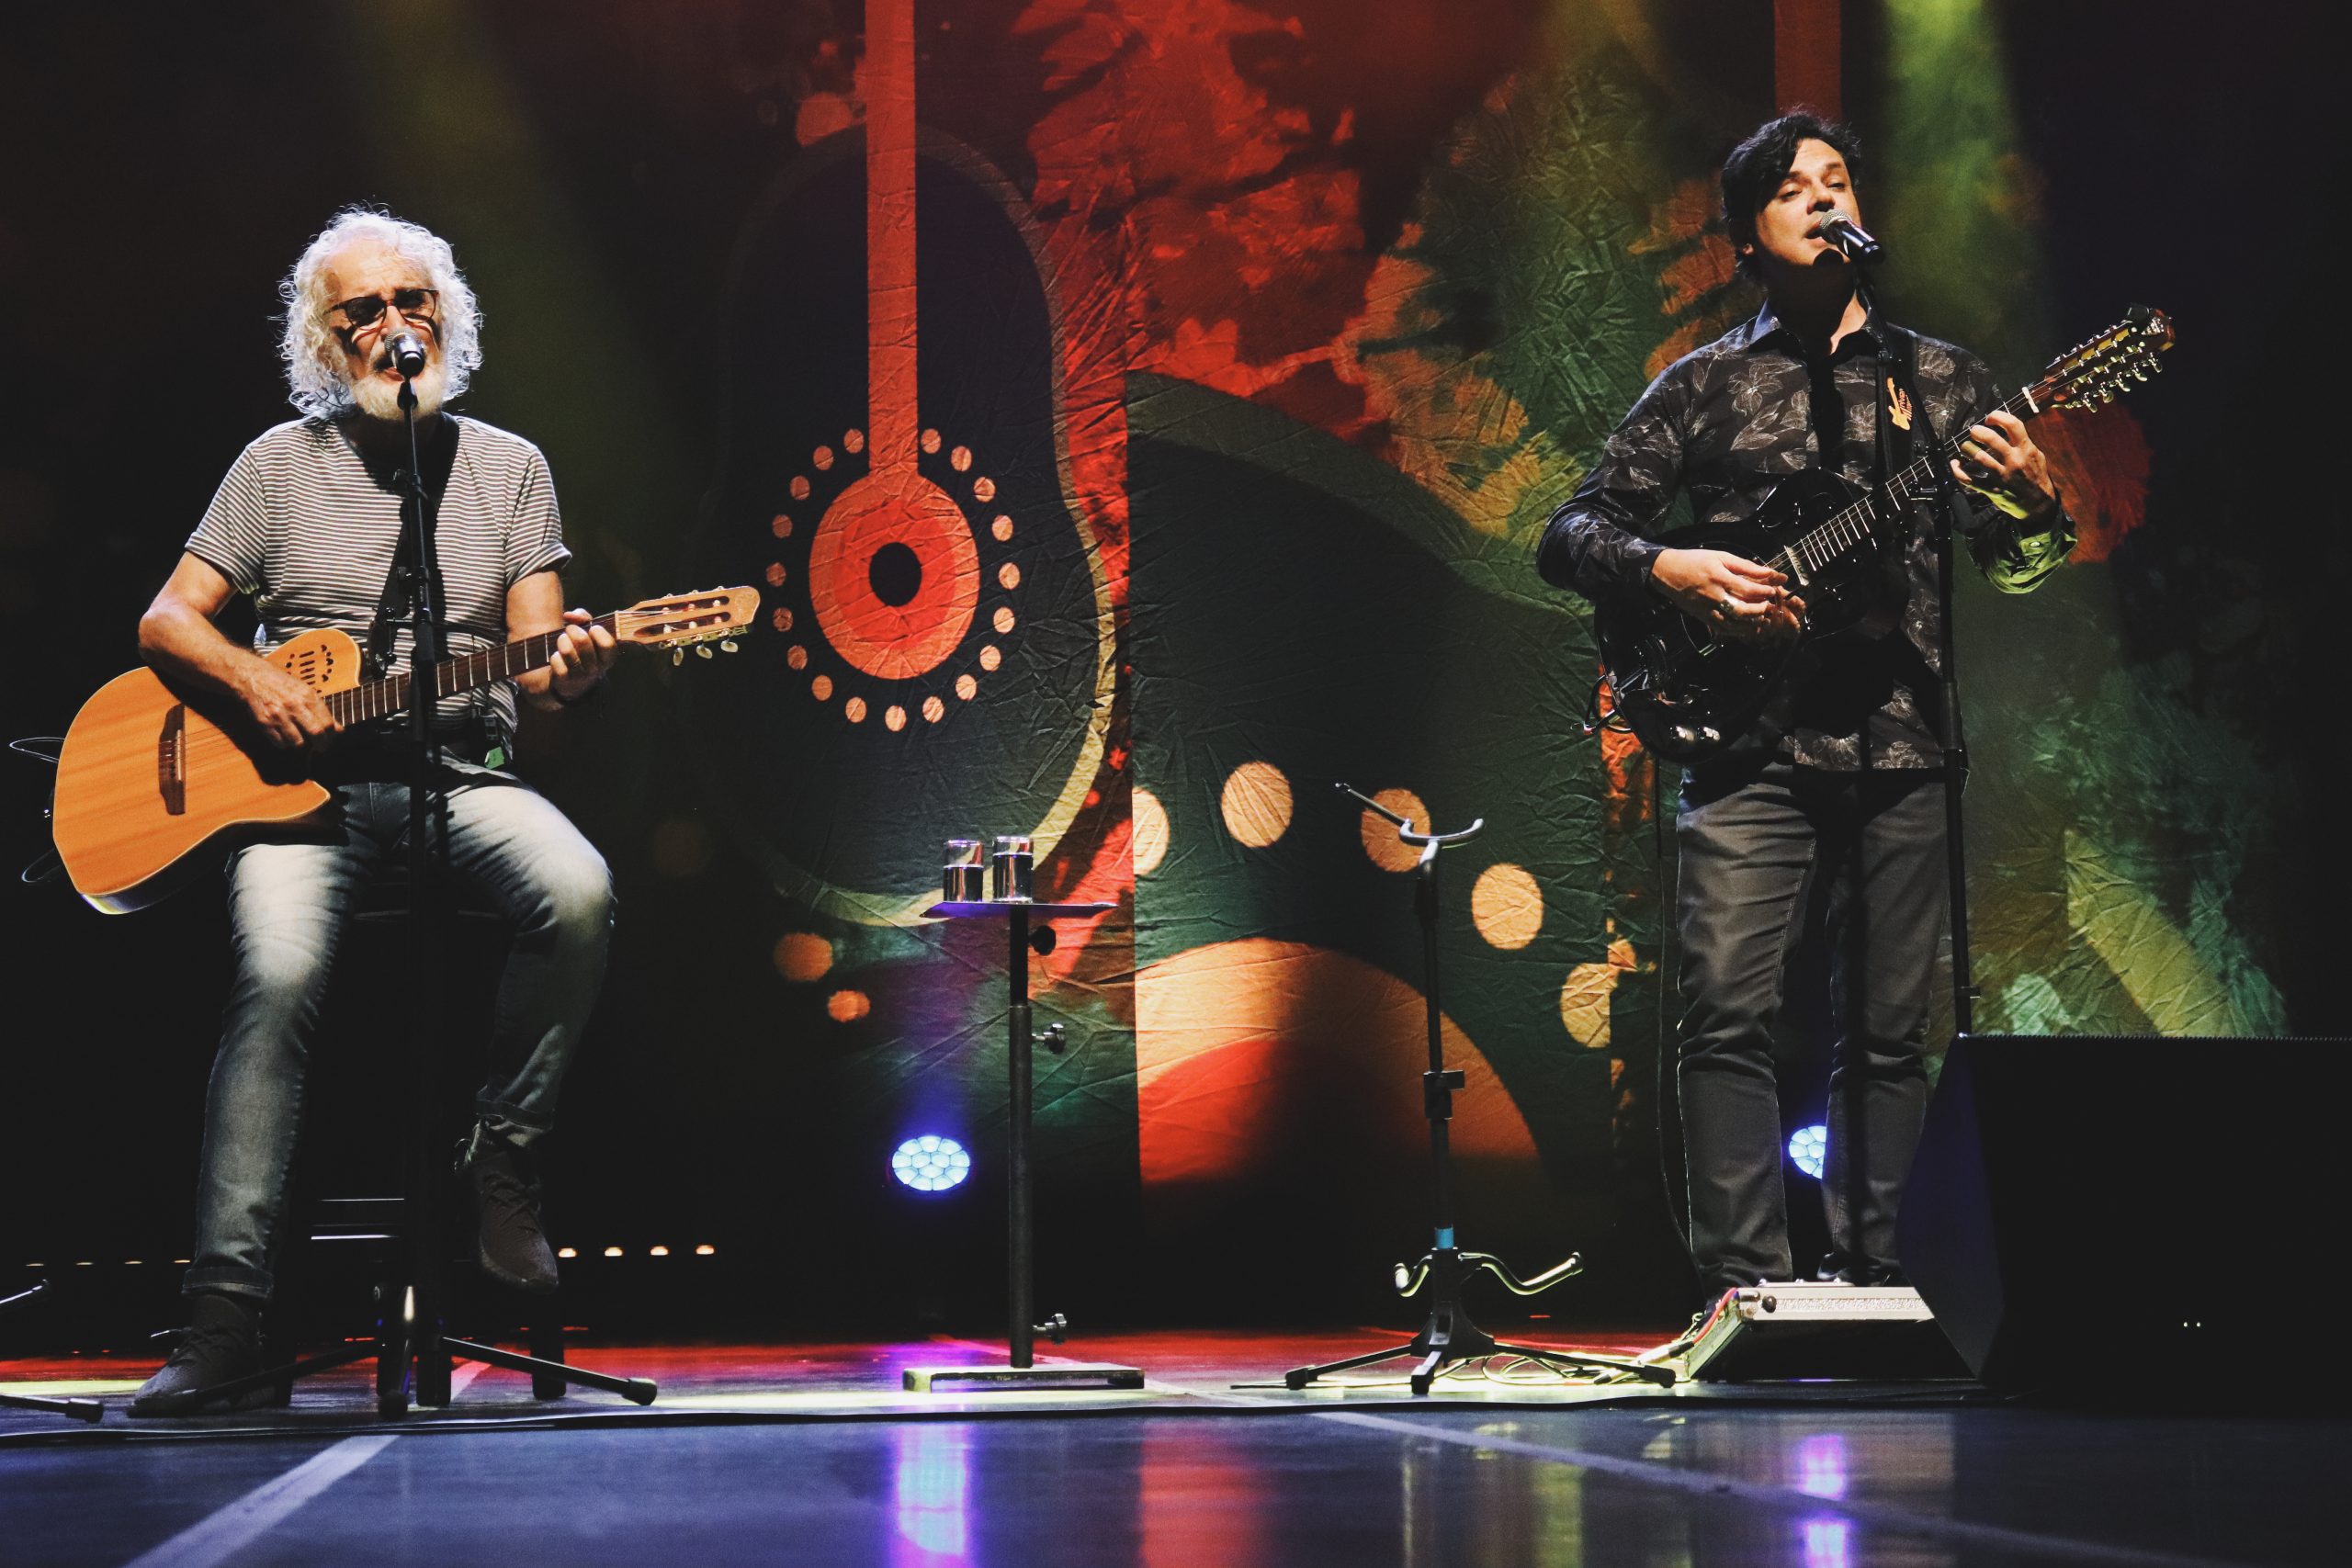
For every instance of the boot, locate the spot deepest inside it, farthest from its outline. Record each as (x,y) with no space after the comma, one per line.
(221,1342)
(513,1246)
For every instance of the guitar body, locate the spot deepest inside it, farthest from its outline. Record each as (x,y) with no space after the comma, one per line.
(1689,691)
(1691,694)
(144,780)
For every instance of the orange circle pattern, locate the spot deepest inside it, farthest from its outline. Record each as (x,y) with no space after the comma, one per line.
(896,642)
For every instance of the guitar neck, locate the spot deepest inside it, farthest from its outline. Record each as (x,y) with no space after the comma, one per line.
(1876,518)
(380,699)
(1925,475)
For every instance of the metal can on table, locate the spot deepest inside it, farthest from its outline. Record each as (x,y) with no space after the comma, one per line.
(1009,868)
(963,880)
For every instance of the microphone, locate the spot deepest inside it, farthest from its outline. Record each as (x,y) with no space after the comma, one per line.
(1851,240)
(408,353)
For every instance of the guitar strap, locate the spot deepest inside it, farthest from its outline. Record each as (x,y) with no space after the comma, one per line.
(1898,402)
(1900,418)
(475,739)
(392,605)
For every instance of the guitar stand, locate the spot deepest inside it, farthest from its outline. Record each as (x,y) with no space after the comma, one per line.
(74,1409)
(413,1355)
(1447,1332)
(46,866)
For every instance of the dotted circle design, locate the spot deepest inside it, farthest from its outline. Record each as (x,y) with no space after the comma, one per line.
(895,660)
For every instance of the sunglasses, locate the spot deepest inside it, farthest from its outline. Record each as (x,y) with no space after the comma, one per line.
(417,306)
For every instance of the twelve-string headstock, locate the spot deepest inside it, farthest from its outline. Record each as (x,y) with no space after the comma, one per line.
(687,620)
(2109,365)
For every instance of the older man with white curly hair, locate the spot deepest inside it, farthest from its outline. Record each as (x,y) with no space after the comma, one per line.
(306,525)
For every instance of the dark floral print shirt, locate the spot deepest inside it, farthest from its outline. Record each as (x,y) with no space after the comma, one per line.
(1725,422)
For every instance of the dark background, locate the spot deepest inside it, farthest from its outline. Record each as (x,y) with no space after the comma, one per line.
(167,164)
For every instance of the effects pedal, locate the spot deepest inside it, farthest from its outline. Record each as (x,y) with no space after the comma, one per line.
(1803,1329)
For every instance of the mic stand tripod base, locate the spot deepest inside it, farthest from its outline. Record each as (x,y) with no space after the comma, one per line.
(392,1367)
(1449,1335)
(74,1408)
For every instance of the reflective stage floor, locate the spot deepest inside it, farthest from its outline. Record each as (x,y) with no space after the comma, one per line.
(816,1454)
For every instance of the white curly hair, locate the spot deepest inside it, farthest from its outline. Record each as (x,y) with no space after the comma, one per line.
(313,356)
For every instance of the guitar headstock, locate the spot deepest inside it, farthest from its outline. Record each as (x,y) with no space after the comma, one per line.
(682,620)
(2100,371)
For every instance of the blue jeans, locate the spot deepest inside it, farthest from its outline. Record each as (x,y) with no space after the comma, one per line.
(288,906)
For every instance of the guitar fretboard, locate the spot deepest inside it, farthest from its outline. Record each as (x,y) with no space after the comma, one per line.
(1860,525)
(381,699)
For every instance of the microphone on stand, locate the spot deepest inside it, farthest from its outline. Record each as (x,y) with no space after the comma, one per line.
(1851,239)
(408,353)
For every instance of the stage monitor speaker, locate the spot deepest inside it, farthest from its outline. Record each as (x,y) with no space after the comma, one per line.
(2143,1218)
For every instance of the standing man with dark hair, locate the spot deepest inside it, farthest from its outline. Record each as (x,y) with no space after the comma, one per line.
(305,525)
(1845,795)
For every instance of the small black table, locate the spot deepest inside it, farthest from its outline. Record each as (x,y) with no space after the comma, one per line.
(1020,1241)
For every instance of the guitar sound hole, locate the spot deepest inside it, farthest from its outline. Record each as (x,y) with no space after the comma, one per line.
(895,574)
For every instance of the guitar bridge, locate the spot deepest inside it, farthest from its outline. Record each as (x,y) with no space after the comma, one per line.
(171,761)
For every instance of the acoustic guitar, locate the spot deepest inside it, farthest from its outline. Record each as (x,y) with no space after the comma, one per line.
(1689,689)
(145,780)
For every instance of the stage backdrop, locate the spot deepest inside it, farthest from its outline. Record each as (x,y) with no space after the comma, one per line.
(1138,417)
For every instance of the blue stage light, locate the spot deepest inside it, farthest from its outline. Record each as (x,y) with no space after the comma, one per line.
(1809,1148)
(930,1164)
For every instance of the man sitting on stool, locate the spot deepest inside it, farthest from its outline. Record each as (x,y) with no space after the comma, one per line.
(305,525)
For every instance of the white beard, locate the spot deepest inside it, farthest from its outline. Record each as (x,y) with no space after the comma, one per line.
(379,399)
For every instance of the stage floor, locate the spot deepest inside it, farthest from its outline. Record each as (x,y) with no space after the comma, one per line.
(816,1454)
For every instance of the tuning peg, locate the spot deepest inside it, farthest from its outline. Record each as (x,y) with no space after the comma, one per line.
(702,650)
(677,656)
(728,646)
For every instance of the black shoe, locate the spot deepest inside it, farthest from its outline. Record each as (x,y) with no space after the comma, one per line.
(221,1343)
(514,1248)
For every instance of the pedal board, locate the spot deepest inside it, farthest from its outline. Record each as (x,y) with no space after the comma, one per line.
(1806,1329)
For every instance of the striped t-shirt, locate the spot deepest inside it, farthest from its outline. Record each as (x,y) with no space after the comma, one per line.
(303,528)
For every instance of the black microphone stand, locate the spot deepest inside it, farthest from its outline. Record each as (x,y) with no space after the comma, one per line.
(409,1327)
(1954,740)
(418,1251)
(1955,758)
(1448,1333)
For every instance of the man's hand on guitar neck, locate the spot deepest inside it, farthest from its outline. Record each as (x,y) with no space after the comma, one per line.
(583,650)
(1729,594)
(2005,467)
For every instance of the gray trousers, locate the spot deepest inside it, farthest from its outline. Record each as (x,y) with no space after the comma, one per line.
(1873,844)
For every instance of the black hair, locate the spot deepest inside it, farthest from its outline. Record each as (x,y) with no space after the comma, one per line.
(1756,166)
